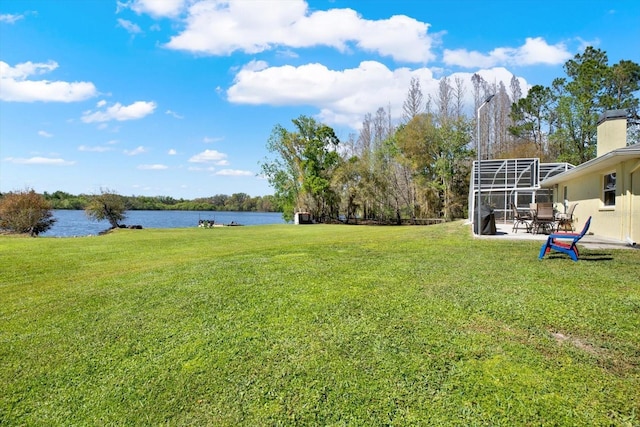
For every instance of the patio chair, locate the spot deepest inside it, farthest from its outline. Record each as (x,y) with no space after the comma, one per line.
(520,218)
(564,243)
(565,220)
(544,218)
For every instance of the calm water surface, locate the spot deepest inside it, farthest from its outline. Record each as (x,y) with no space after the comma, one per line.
(76,223)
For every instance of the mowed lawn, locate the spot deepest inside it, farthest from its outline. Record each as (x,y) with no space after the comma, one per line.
(315,325)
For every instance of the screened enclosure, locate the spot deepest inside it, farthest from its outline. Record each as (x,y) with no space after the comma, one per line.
(507,181)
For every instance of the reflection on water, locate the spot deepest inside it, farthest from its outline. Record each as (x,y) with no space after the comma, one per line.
(76,222)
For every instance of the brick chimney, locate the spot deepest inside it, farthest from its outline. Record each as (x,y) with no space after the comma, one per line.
(612,131)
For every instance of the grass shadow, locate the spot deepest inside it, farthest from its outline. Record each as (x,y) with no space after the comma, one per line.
(588,256)
(596,256)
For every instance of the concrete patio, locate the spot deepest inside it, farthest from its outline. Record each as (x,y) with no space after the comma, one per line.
(504,230)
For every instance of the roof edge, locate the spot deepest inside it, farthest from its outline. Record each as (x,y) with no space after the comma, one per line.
(630,151)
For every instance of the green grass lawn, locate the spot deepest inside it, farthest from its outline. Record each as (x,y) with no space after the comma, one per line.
(315,325)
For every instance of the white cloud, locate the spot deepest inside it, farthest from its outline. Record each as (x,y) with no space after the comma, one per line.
(136,151)
(534,51)
(119,112)
(25,69)
(343,97)
(94,149)
(129,26)
(10,18)
(44,134)
(41,161)
(158,8)
(156,167)
(172,152)
(234,172)
(15,85)
(538,51)
(210,156)
(174,114)
(223,27)
(583,44)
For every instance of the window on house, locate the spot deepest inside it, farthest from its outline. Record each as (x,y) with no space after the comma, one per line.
(609,190)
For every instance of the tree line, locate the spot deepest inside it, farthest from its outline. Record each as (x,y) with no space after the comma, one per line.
(559,122)
(220,202)
(420,167)
(27,212)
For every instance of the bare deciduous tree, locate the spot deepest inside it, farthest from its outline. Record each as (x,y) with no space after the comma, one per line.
(458,97)
(444,100)
(516,90)
(413,105)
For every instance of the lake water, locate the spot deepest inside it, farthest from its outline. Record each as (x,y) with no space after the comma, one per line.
(76,222)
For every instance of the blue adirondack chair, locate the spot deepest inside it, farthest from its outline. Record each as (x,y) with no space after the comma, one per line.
(564,243)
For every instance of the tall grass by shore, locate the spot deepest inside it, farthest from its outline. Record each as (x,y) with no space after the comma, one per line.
(315,325)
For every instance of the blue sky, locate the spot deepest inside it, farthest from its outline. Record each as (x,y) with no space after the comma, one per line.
(179,97)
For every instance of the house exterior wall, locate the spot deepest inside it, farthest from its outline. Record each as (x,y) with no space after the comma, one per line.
(620,222)
(634,208)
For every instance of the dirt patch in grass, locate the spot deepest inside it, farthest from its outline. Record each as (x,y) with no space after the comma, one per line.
(578,343)
(605,358)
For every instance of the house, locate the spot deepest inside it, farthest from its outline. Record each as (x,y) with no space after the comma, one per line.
(606,188)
